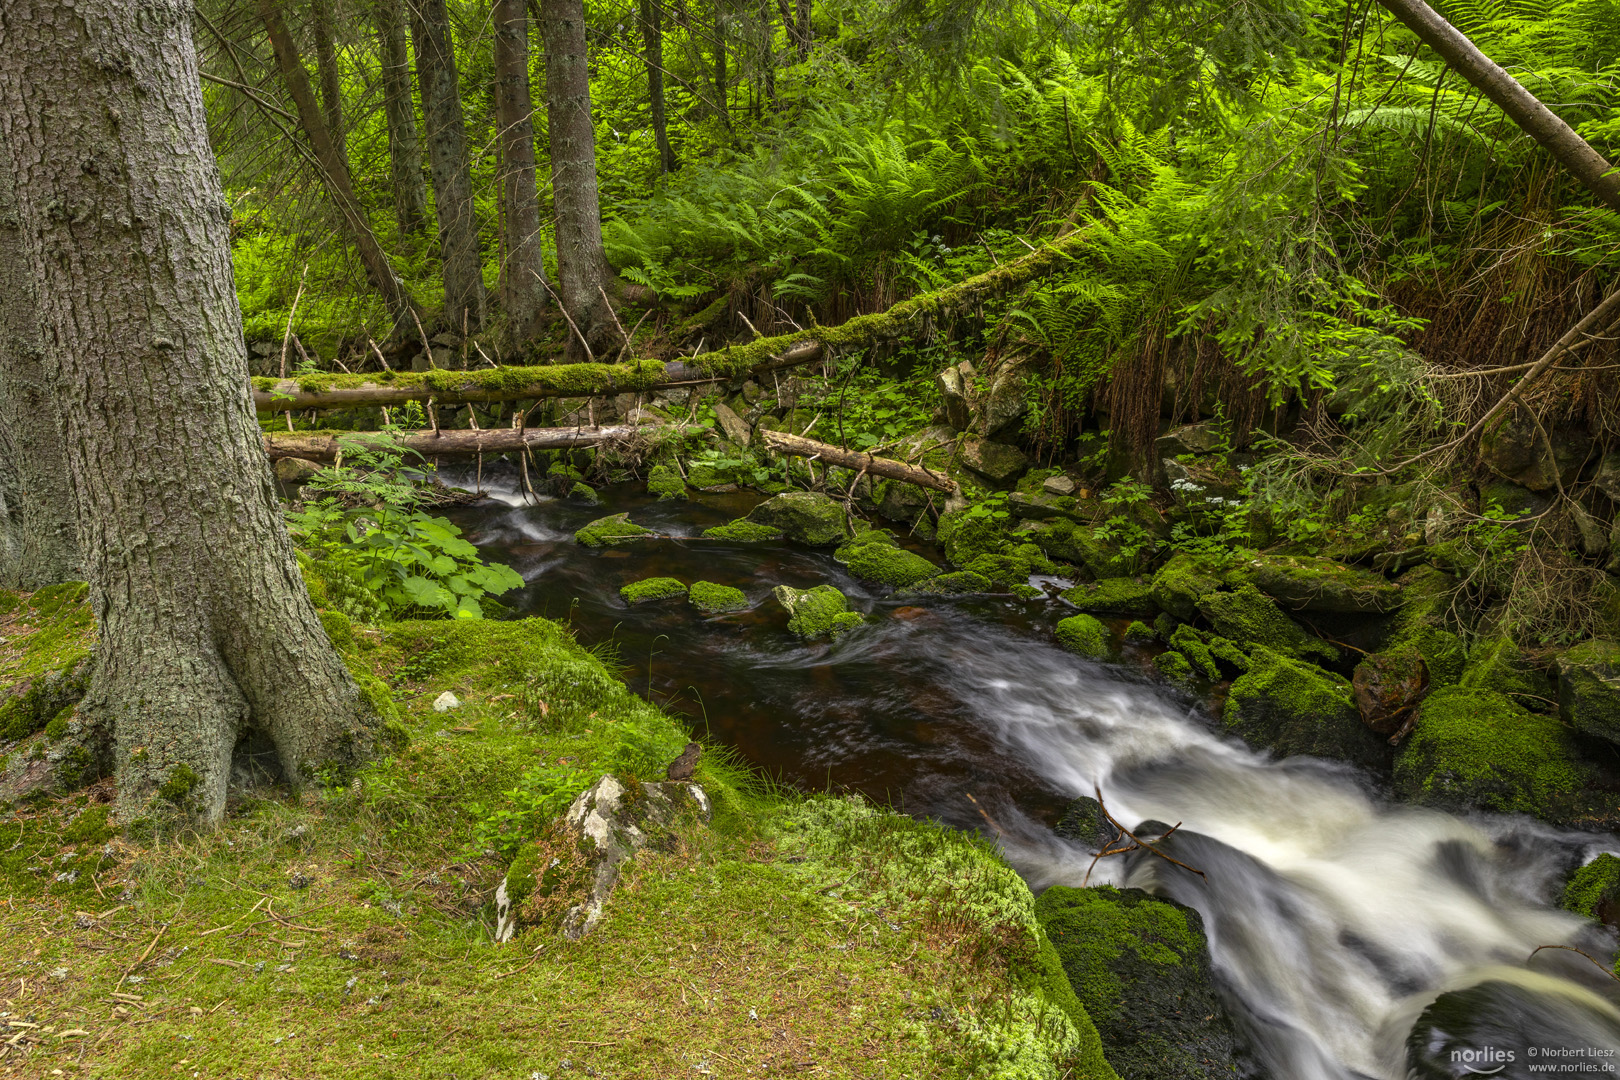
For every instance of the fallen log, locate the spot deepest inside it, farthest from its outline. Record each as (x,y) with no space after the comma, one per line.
(856,461)
(324,445)
(905,319)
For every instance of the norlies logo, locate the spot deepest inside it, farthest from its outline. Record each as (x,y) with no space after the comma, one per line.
(1485,1061)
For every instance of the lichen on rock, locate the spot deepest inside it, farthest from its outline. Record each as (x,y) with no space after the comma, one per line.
(805,517)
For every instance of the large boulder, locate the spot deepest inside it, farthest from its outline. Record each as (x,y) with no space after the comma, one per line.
(1185,580)
(1387,687)
(805,517)
(1423,623)
(996,462)
(1480,750)
(1589,688)
(1251,618)
(1002,401)
(1141,967)
(1303,583)
(1516,449)
(1497,663)
(1077,544)
(1112,596)
(580,860)
(1513,1029)
(875,556)
(611,531)
(1084,635)
(955,385)
(1294,707)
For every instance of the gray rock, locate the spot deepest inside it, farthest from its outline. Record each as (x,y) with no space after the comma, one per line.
(955,385)
(1589,688)
(1200,438)
(735,427)
(1607,479)
(1002,403)
(1058,485)
(1594,534)
(995,461)
(294,471)
(1515,449)
(445,702)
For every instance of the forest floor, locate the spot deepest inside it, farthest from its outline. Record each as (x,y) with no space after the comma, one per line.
(348,933)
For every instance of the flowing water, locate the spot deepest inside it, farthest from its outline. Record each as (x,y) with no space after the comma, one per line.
(1334,915)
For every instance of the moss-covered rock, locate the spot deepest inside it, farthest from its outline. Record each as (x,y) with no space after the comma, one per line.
(605,532)
(712,599)
(709,478)
(1594,890)
(650,589)
(1304,583)
(1423,623)
(584,493)
(1187,641)
(666,483)
(743,531)
(1477,749)
(1233,660)
(874,556)
(1589,688)
(964,535)
(1138,633)
(1084,635)
(1140,967)
(997,462)
(1496,663)
(1387,686)
(1112,596)
(955,583)
(1184,581)
(1294,707)
(805,517)
(819,612)
(1252,619)
(1176,668)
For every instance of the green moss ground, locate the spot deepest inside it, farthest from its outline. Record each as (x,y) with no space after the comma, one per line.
(45,643)
(347,933)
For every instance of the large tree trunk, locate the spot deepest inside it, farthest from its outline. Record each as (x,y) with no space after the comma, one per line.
(206,629)
(1522,107)
(404,151)
(722,77)
(581,265)
(523,271)
(326,67)
(333,165)
(652,37)
(805,32)
(446,132)
(37,542)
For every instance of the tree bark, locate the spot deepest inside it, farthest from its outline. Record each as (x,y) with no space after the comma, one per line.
(446,132)
(331,76)
(333,165)
(652,37)
(1521,106)
(722,78)
(324,446)
(206,629)
(783,443)
(523,271)
(582,273)
(404,151)
(767,55)
(38,545)
(805,31)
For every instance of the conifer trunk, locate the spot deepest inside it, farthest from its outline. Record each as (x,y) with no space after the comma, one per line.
(805,35)
(38,546)
(404,150)
(581,265)
(523,271)
(446,132)
(206,629)
(722,77)
(652,37)
(333,164)
(331,76)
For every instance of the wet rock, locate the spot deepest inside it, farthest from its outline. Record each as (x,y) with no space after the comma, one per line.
(712,599)
(1112,596)
(743,531)
(1388,686)
(805,517)
(997,462)
(1594,890)
(819,612)
(1176,668)
(294,471)
(1252,619)
(1190,644)
(1424,623)
(733,426)
(1084,822)
(955,386)
(684,766)
(1477,749)
(1304,583)
(1589,688)
(584,493)
(651,589)
(606,825)
(1013,565)
(1294,707)
(609,531)
(1084,635)
(1513,1030)
(1141,967)
(1139,633)
(956,583)
(875,556)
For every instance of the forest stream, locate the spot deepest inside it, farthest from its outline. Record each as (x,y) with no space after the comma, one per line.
(1334,915)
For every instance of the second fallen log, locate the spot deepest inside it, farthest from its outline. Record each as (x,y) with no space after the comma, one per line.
(324,446)
(856,461)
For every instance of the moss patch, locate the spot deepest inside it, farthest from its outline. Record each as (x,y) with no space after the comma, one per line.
(650,589)
(1594,889)
(45,658)
(1084,635)
(873,556)
(743,531)
(1294,707)
(955,583)
(605,532)
(712,599)
(818,612)
(1477,749)
(1184,581)
(805,517)
(1252,619)
(1113,596)
(666,483)
(1589,688)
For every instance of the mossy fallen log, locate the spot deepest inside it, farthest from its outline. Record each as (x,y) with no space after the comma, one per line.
(903,320)
(782,443)
(324,445)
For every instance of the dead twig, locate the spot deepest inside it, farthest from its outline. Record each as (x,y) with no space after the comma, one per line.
(1136,844)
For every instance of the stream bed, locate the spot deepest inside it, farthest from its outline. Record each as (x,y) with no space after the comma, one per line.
(1334,915)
